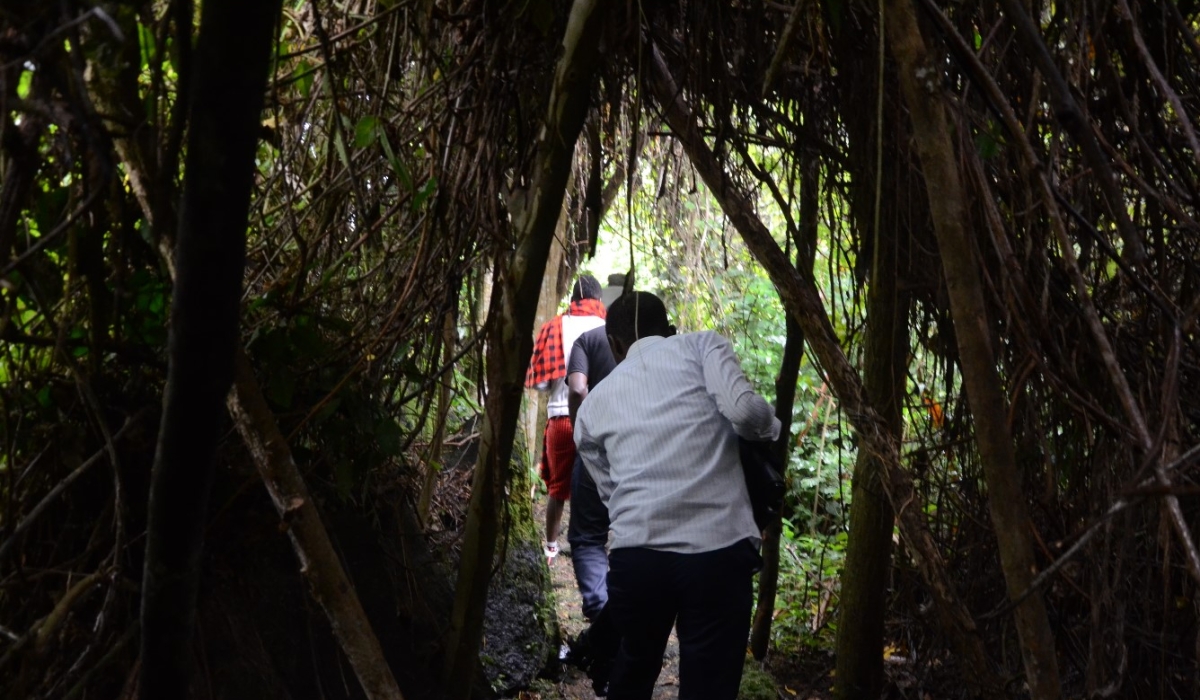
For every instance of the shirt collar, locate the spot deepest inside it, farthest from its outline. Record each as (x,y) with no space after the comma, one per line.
(642,346)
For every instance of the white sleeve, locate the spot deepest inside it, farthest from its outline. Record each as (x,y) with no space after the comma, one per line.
(752,417)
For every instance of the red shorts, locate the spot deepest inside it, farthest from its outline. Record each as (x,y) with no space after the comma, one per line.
(559,457)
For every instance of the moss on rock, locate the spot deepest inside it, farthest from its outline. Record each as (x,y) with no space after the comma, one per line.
(757,684)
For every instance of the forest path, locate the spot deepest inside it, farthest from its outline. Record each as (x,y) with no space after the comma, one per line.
(569,607)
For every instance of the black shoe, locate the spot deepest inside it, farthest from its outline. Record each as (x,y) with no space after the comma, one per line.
(576,652)
(599,671)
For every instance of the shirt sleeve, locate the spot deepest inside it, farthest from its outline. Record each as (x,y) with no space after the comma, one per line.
(579,357)
(752,417)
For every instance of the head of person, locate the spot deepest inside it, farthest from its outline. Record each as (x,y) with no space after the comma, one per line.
(586,287)
(633,316)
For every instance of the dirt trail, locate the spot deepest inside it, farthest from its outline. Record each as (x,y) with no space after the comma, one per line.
(569,606)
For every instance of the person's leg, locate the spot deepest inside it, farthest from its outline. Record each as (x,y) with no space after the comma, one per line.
(643,610)
(603,643)
(716,600)
(588,534)
(589,516)
(559,460)
(591,575)
(554,513)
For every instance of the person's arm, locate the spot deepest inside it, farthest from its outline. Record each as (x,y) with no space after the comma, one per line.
(538,344)
(577,391)
(595,458)
(752,417)
(577,376)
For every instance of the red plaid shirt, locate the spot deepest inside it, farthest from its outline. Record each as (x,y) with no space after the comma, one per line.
(549,361)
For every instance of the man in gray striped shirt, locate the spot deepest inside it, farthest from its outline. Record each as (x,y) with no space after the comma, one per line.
(659,437)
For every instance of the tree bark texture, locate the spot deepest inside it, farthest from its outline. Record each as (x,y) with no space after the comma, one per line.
(510,338)
(802,301)
(785,400)
(922,92)
(547,307)
(319,562)
(233,55)
(869,548)
(874,208)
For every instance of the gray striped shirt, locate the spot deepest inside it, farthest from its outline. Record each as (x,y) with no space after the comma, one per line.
(659,436)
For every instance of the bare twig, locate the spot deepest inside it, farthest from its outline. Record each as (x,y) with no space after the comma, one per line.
(61,486)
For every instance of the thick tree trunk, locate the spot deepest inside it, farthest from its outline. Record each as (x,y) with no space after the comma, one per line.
(547,308)
(1006,500)
(802,301)
(785,399)
(874,208)
(869,549)
(233,55)
(518,281)
(319,563)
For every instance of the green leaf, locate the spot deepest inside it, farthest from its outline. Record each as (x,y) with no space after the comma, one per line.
(304,74)
(397,164)
(836,10)
(23,84)
(146,44)
(343,477)
(366,131)
(271,346)
(541,13)
(306,340)
(341,148)
(389,436)
(50,207)
(281,388)
(426,190)
(328,409)
(988,146)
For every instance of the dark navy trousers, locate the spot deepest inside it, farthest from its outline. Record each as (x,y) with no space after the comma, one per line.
(707,597)
(588,534)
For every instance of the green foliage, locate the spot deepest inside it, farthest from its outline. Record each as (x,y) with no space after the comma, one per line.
(756,684)
(809,579)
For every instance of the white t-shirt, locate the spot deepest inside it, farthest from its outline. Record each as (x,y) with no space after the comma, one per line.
(572,328)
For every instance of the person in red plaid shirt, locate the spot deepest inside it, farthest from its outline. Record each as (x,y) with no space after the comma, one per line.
(548,372)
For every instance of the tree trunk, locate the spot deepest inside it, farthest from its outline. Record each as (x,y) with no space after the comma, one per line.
(1006,500)
(233,56)
(785,400)
(869,548)
(518,281)
(874,209)
(802,301)
(547,308)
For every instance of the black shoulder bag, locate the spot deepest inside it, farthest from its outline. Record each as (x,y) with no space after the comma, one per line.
(764,480)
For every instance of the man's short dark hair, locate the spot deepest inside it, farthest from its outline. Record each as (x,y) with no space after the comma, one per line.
(636,315)
(586,287)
